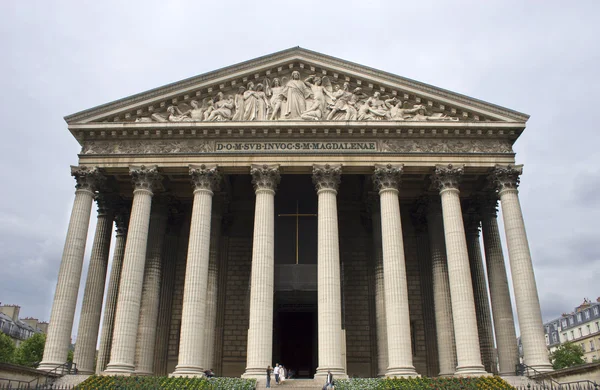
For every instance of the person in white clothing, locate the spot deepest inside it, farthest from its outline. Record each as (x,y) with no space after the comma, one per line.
(276,372)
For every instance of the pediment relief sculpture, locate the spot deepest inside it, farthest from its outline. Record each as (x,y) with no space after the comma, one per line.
(310,98)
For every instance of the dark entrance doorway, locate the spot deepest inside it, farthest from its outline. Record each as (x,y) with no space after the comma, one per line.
(295,332)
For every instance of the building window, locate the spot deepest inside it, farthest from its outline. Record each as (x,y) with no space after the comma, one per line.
(582,346)
(580,333)
(587,314)
(578,317)
(564,323)
(572,335)
(597,326)
(554,337)
(595,310)
(571,320)
(565,338)
(592,346)
(589,329)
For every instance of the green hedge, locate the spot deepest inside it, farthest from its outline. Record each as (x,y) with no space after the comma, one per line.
(487,383)
(96,382)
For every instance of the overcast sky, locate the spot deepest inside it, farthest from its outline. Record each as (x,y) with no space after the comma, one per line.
(537,57)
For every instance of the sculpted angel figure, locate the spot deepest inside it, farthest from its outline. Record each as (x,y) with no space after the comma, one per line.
(239,104)
(321,90)
(222,108)
(295,92)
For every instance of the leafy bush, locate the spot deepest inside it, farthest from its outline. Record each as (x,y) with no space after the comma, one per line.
(488,383)
(7,349)
(96,382)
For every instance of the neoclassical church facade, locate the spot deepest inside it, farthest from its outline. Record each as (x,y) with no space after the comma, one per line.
(303,210)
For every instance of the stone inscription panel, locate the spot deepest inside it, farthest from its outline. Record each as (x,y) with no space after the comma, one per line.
(195,146)
(310,146)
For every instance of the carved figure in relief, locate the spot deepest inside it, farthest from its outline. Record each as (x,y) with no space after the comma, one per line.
(255,103)
(175,115)
(322,91)
(423,115)
(374,109)
(341,97)
(398,113)
(222,108)
(239,105)
(197,112)
(295,92)
(277,99)
(313,113)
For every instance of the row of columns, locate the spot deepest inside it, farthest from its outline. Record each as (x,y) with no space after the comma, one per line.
(132,309)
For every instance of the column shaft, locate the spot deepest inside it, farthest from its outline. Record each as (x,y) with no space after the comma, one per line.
(441,291)
(504,323)
(146,334)
(212,291)
(110,306)
(535,353)
(482,305)
(89,321)
(166,296)
(193,316)
(396,290)
(69,275)
(262,279)
(122,355)
(382,349)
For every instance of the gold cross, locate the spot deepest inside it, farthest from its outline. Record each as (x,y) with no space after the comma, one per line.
(297,215)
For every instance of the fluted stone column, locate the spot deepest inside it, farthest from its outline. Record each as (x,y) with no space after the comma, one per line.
(382,348)
(166,289)
(146,335)
(441,289)
(205,180)
(535,353)
(468,355)
(262,279)
(504,322)
(122,355)
(213,285)
(386,180)
(91,309)
(329,297)
(110,307)
(69,275)
(480,290)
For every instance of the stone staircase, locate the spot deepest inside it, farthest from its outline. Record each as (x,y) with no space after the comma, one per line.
(306,384)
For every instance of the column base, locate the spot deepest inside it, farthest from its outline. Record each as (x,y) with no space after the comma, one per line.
(192,371)
(542,367)
(119,369)
(85,371)
(338,373)
(471,371)
(49,366)
(144,373)
(403,372)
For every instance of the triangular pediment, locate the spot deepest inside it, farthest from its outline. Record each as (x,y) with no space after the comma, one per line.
(296,84)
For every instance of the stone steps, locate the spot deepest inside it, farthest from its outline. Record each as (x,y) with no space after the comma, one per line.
(295,384)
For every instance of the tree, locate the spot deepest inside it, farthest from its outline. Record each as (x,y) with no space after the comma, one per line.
(567,355)
(7,349)
(31,350)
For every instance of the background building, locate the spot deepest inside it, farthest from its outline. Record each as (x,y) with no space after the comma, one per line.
(19,329)
(582,326)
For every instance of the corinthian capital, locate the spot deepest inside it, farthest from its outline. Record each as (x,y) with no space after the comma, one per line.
(327,176)
(387,176)
(447,177)
(87,178)
(145,178)
(506,177)
(265,177)
(122,218)
(106,202)
(205,177)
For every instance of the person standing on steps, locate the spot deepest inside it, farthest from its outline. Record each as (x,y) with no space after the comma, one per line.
(276,372)
(329,384)
(269,377)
